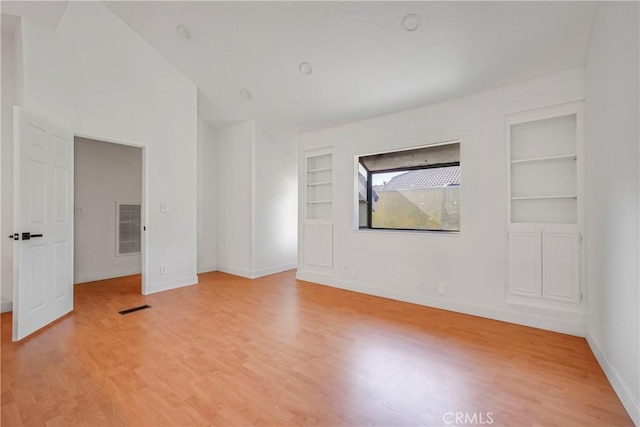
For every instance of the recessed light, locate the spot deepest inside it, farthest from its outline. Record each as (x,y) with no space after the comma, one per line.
(411,22)
(245,93)
(183,31)
(305,68)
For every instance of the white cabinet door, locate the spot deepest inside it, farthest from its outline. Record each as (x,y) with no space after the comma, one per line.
(311,244)
(525,266)
(325,245)
(561,261)
(318,244)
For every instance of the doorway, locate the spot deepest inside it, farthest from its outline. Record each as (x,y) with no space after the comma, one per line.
(108,210)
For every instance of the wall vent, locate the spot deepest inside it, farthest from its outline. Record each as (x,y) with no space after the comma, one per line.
(128,221)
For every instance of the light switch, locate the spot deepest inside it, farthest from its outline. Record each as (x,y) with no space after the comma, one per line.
(165,207)
(81,210)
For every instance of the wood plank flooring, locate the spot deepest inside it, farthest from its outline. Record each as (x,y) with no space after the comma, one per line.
(276,351)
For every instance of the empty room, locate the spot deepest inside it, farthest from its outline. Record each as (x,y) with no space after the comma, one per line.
(324,213)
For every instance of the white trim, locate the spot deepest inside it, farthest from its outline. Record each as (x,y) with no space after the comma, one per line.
(566,323)
(546,112)
(545,159)
(104,275)
(144,242)
(617,382)
(173,284)
(6,306)
(252,190)
(144,212)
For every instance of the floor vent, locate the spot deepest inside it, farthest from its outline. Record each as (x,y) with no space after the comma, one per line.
(131,310)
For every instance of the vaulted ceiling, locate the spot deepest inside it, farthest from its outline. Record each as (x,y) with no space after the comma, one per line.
(363,62)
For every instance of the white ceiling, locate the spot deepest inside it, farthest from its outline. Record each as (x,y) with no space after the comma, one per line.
(47,13)
(364,63)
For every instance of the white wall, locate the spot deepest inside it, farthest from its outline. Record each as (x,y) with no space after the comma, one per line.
(409,265)
(98,78)
(235,236)
(275,201)
(104,174)
(207,198)
(613,186)
(6,168)
(257,200)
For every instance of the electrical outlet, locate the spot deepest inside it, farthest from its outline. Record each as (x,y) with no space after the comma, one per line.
(441,288)
(163,269)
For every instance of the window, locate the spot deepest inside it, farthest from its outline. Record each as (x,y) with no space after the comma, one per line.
(417,189)
(128,228)
(363,196)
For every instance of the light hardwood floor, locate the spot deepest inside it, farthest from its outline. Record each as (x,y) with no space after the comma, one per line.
(276,351)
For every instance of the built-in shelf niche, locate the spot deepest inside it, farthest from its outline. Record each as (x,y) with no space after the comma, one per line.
(318,219)
(543,170)
(319,183)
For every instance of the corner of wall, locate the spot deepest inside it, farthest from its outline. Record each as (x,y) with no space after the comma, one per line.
(172,284)
(6,306)
(617,382)
(612,106)
(207,269)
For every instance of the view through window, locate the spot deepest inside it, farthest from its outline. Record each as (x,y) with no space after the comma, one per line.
(416,189)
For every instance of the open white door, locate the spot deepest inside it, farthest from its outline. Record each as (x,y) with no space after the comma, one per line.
(43,243)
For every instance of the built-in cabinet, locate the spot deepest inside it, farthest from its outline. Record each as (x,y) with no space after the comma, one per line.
(318,215)
(545,205)
(544,262)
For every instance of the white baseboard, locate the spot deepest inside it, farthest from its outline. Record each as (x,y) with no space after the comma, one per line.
(273,270)
(207,269)
(103,275)
(258,273)
(617,382)
(172,284)
(571,324)
(6,306)
(235,271)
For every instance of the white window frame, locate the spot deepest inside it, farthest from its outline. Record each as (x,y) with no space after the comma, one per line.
(369,227)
